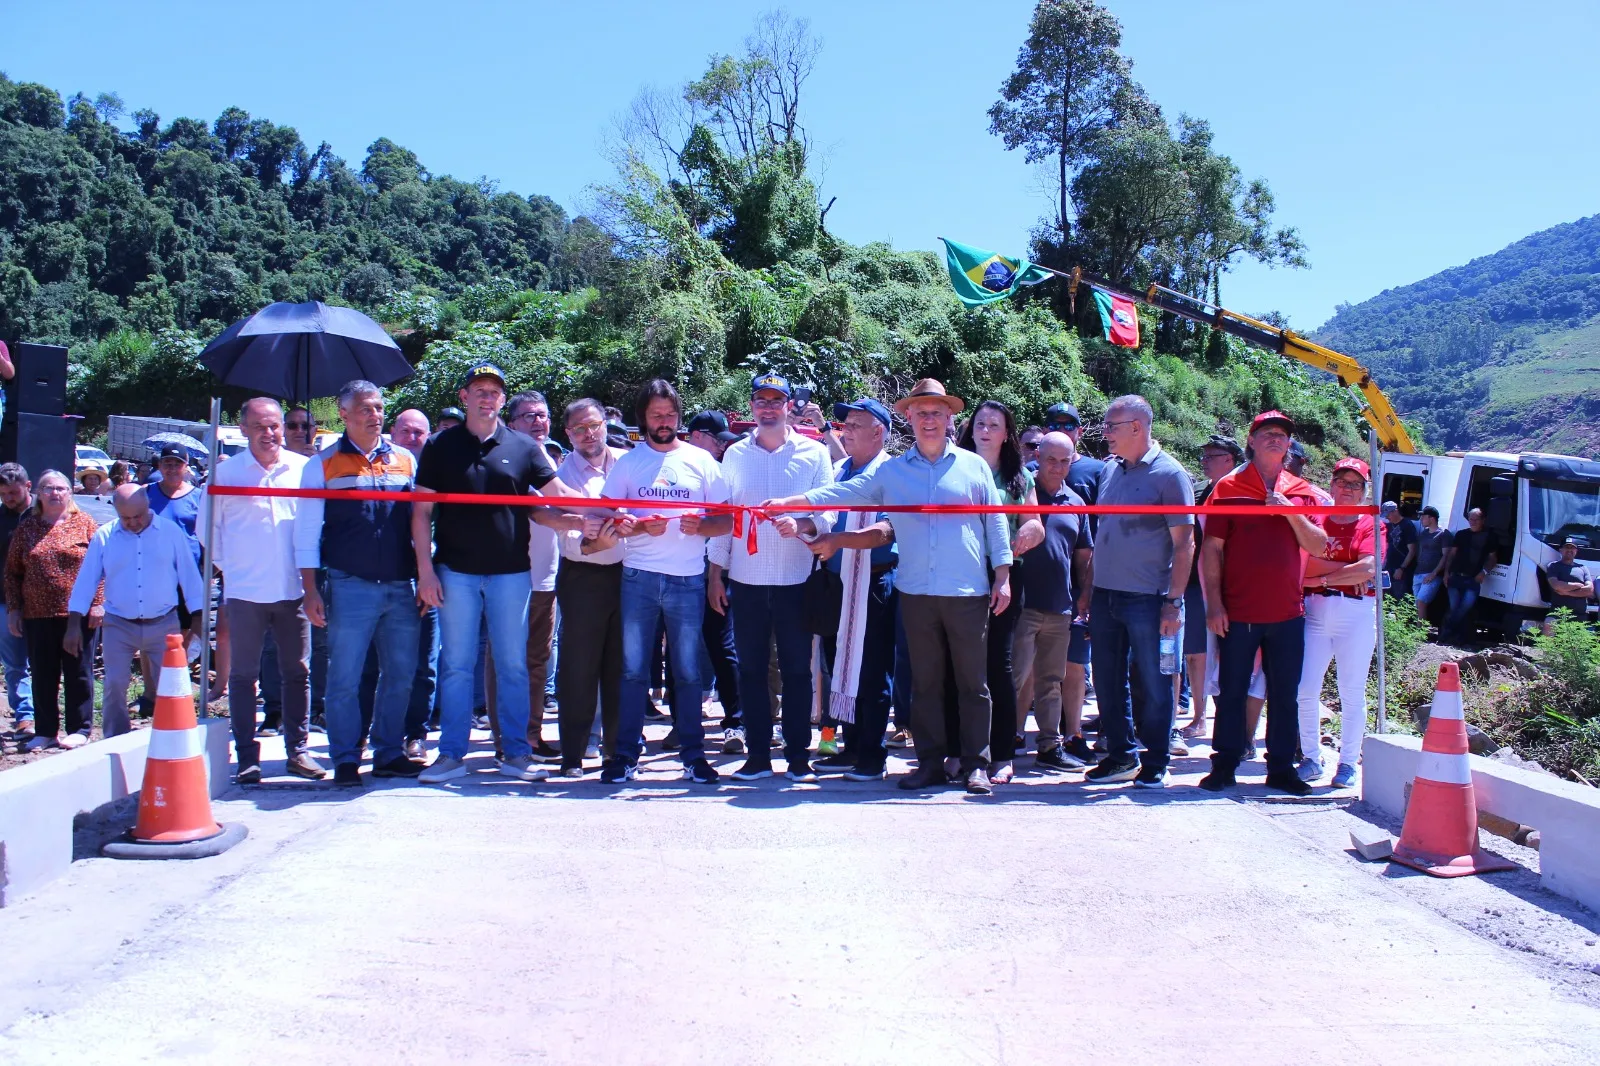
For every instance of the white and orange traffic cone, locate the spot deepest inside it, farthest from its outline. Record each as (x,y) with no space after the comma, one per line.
(1440,836)
(175,820)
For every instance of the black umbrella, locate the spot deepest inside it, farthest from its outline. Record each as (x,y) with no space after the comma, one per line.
(298,351)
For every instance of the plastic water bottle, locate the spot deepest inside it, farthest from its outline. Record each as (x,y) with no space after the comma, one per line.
(1169,654)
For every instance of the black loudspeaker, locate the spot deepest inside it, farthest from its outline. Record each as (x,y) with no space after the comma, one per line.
(39,442)
(40,384)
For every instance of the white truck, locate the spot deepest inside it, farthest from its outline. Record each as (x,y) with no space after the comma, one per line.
(126,434)
(1531,503)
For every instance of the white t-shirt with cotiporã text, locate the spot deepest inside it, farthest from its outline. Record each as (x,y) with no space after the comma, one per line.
(685,473)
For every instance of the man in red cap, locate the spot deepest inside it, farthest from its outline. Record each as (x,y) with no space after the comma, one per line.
(1254,565)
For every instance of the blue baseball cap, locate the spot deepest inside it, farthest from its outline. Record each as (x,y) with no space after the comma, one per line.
(483,370)
(775,382)
(867,404)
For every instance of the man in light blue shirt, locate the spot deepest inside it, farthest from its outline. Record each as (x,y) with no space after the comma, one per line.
(954,571)
(145,561)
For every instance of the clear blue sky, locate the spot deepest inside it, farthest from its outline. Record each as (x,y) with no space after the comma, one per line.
(1400,137)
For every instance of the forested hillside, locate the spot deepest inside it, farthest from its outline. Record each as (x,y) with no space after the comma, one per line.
(708,256)
(1501,352)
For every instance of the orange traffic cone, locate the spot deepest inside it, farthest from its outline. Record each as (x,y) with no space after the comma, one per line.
(175,819)
(1440,836)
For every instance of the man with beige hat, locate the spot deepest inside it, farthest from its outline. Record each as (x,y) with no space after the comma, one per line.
(954,572)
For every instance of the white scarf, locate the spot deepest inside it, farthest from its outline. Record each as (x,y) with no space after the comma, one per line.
(855,570)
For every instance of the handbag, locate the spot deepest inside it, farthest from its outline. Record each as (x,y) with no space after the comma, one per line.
(823,599)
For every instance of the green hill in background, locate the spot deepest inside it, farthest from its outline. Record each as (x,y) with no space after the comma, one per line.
(1503,352)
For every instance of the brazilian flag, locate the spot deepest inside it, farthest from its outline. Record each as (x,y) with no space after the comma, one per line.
(981,277)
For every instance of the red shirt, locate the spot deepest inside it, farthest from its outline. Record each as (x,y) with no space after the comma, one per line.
(1262,564)
(1349,542)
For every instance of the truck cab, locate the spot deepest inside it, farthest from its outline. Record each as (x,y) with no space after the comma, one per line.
(1530,502)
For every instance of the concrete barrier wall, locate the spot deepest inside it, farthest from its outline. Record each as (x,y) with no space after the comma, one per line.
(40,802)
(1566,814)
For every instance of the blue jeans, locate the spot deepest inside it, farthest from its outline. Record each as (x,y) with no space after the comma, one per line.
(648,601)
(1463,592)
(760,614)
(1125,645)
(469,599)
(1283,649)
(363,614)
(424,683)
(19,686)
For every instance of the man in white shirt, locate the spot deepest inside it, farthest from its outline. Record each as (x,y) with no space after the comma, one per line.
(663,576)
(144,560)
(254,548)
(588,590)
(767,589)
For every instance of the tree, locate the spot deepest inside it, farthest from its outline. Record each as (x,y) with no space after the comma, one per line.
(1070,85)
(1131,199)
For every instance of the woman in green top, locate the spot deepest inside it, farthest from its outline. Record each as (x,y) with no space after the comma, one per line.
(992,433)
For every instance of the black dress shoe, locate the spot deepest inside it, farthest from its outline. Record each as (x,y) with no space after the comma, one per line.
(1289,781)
(348,775)
(924,777)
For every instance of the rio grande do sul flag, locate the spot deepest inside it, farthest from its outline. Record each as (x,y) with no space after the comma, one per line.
(1118,318)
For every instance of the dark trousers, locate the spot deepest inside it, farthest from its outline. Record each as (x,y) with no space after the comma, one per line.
(1135,696)
(762,613)
(1002,683)
(248,624)
(875,691)
(957,628)
(49,664)
(1282,646)
(590,597)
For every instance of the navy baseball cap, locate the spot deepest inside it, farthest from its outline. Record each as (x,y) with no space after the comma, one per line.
(714,423)
(775,382)
(483,370)
(1062,412)
(867,404)
(453,412)
(172,451)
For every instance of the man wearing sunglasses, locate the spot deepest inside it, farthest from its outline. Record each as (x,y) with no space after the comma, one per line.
(1083,478)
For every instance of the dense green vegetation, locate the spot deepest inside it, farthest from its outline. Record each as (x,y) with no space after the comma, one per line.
(709,256)
(1499,352)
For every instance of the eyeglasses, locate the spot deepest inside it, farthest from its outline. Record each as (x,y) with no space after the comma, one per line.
(584,429)
(1351,484)
(297,426)
(1110,427)
(767,401)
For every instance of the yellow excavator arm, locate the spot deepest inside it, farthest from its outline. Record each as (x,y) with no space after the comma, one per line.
(1376,408)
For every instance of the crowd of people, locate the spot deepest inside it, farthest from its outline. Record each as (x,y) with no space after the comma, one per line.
(390,622)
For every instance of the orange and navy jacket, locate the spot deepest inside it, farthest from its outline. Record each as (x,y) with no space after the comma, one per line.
(370,539)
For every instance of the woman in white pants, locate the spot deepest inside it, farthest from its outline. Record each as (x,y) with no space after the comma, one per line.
(1341,626)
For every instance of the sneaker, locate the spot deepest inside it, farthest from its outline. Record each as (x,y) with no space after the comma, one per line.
(1344,776)
(978,782)
(753,771)
(1110,771)
(857,773)
(307,767)
(1078,748)
(800,770)
(398,767)
(417,751)
(480,720)
(249,775)
(592,751)
(670,742)
(571,772)
(444,769)
(347,775)
(900,738)
(616,771)
(1288,782)
(544,751)
(1150,779)
(1309,769)
(777,736)
(1217,780)
(1058,760)
(828,745)
(701,773)
(733,742)
(834,764)
(1176,744)
(522,768)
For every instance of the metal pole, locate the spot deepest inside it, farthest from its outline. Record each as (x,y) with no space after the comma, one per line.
(205,562)
(1374,466)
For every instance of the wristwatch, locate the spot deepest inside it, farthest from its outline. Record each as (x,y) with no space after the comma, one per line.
(1175,601)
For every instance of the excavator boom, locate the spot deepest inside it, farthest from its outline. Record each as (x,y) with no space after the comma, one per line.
(1378,411)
